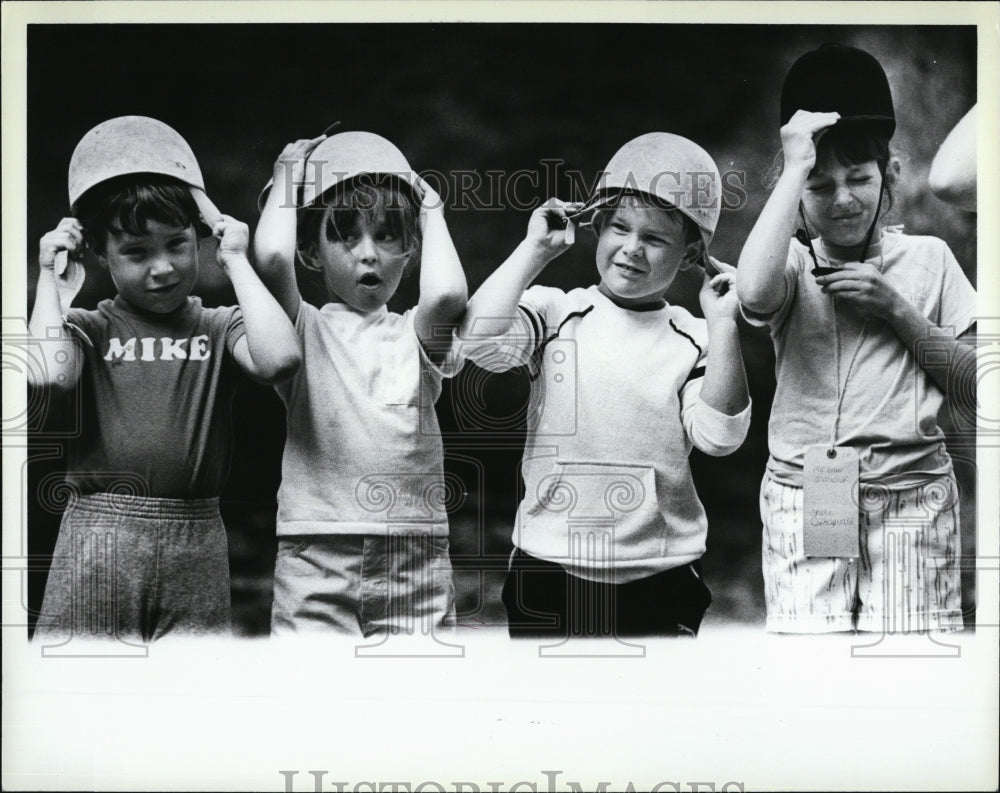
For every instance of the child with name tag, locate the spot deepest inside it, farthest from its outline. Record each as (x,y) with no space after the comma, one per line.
(610,531)
(859,502)
(142,549)
(362,525)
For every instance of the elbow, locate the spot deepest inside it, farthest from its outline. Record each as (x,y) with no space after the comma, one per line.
(449,306)
(960,193)
(746,290)
(755,299)
(55,383)
(281,368)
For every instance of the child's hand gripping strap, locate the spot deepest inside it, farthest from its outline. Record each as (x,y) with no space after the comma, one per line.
(209,212)
(69,280)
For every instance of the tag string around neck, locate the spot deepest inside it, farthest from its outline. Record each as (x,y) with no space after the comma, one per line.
(842,388)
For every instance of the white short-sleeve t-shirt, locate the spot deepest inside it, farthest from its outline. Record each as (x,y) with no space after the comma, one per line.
(889,411)
(363,450)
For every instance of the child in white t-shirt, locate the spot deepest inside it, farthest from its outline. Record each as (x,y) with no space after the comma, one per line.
(849,308)
(610,530)
(362,528)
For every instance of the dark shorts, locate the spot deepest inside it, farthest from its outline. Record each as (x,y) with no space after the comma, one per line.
(543,600)
(129,567)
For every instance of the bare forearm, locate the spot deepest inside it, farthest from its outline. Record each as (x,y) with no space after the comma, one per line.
(760,275)
(271,340)
(948,361)
(60,353)
(493,307)
(443,288)
(441,269)
(725,384)
(274,241)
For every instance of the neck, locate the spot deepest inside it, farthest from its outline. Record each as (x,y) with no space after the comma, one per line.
(132,307)
(852,253)
(648,303)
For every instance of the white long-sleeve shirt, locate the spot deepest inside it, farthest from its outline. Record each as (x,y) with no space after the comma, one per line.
(614,411)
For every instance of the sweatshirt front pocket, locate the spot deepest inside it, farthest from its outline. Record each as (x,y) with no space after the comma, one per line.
(599,504)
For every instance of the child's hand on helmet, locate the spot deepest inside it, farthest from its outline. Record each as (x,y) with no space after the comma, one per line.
(800,136)
(67,236)
(234,237)
(549,228)
(290,167)
(718,294)
(427,195)
(430,200)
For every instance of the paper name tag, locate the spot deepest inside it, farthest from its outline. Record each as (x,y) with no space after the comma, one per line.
(830,502)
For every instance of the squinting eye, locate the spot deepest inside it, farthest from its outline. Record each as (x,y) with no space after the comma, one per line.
(619,227)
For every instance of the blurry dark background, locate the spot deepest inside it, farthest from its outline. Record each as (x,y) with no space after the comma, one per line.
(473,98)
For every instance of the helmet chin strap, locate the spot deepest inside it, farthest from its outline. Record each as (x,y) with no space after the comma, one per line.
(878,208)
(803,236)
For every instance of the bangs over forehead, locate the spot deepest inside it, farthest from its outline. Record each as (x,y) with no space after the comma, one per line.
(367,199)
(127,204)
(635,200)
(852,144)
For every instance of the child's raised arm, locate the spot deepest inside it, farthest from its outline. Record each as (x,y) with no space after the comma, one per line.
(493,307)
(275,240)
(269,352)
(759,278)
(443,289)
(725,386)
(61,356)
(717,422)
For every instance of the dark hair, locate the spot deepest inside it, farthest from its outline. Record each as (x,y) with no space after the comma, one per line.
(849,144)
(855,144)
(692,233)
(126,204)
(365,197)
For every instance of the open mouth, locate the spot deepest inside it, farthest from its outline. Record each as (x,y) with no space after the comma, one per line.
(162,289)
(628,270)
(369,280)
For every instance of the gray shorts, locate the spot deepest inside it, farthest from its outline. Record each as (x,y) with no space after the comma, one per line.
(363,584)
(129,567)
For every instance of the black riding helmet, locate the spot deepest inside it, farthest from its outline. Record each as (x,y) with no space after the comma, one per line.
(845,80)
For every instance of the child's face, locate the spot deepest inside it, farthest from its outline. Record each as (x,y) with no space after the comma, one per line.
(364,268)
(840,201)
(639,252)
(154,271)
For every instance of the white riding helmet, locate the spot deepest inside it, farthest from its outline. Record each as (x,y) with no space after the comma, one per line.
(136,144)
(670,168)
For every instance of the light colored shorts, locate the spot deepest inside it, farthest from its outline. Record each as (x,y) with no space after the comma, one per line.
(130,567)
(363,584)
(906,579)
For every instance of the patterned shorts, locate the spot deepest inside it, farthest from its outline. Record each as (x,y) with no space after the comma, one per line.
(906,579)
